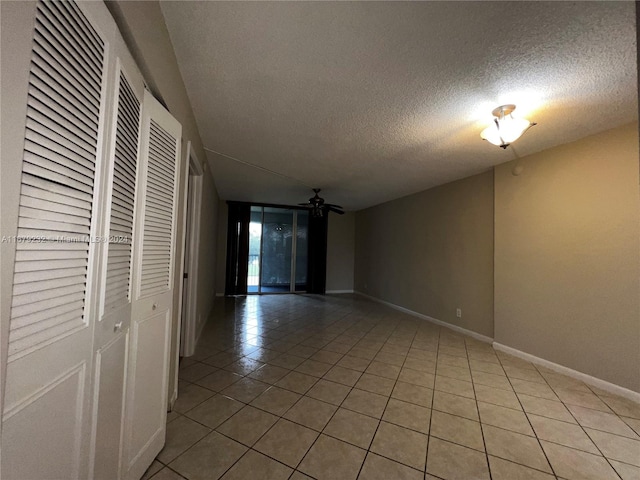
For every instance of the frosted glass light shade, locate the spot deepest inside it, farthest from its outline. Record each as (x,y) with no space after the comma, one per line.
(505,129)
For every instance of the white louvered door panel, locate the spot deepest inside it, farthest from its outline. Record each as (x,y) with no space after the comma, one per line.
(45,420)
(154,249)
(112,332)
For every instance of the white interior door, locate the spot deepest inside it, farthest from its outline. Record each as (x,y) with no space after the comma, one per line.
(111,334)
(45,417)
(151,309)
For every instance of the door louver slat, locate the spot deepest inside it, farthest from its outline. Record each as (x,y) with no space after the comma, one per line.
(56,199)
(158,225)
(123,197)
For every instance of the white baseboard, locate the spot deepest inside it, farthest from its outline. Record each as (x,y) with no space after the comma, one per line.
(338,291)
(596,382)
(472,334)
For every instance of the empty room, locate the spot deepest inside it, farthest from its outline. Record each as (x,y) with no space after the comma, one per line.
(319,240)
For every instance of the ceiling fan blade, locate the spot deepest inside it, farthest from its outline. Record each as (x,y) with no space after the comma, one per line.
(304,204)
(332,205)
(334,209)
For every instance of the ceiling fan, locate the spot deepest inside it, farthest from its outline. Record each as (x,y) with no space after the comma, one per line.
(318,207)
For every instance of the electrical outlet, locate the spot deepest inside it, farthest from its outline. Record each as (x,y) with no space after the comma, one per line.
(459,312)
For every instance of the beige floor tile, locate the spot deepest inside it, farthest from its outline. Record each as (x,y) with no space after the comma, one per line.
(413,394)
(286,360)
(408,415)
(422,365)
(365,353)
(276,400)
(524,374)
(453,351)
(480,365)
(557,380)
(581,399)
(375,384)
(615,447)
(269,374)
(515,447)
(505,470)
(337,347)
(533,389)
(457,430)
(455,405)
(379,468)
(287,442)
(457,387)
(454,372)
(256,466)
(416,377)
(626,471)
(329,392)
(302,351)
(383,370)
(221,359)
(248,425)
(167,474)
(311,367)
(154,468)
(577,465)
(497,397)
(209,458)
(452,361)
(311,413)
(300,476)
(190,396)
(332,459)
(215,410)
(390,358)
(219,380)
(354,363)
(454,462)
(399,444)
(195,371)
(634,423)
(607,422)
(546,408)
(368,403)
(182,433)
(245,390)
(491,380)
(171,416)
(297,382)
(567,434)
(623,406)
(504,417)
(244,366)
(352,427)
(326,356)
(342,375)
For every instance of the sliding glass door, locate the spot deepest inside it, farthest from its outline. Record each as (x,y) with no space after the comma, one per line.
(278,247)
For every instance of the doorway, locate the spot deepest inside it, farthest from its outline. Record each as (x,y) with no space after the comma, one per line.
(278,250)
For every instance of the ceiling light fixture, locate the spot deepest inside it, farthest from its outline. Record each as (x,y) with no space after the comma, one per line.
(505,129)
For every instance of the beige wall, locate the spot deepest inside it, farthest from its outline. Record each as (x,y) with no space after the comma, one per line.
(432,252)
(567,265)
(340,252)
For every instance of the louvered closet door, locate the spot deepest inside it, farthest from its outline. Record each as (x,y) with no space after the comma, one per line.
(154,248)
(45,417)
(112,331)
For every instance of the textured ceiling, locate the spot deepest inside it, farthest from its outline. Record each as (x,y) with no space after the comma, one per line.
(371,101)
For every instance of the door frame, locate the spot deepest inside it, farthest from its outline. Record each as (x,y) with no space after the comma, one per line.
(193,175)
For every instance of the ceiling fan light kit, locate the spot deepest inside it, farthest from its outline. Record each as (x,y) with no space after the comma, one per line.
(317,205)
(505,129)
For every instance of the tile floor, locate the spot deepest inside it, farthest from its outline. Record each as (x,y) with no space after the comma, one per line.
(339,388)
